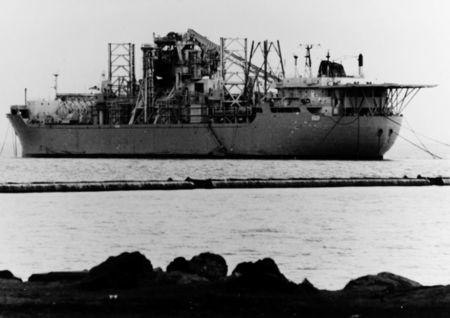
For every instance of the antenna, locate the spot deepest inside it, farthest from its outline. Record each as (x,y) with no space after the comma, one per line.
(328,64)
(56,83)
(308,63)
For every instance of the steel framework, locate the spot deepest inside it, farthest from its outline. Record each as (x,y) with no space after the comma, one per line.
(146,97)
(121,69)
(266,74)
(233,56)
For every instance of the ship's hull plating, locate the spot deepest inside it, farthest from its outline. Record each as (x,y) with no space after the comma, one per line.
(284,135)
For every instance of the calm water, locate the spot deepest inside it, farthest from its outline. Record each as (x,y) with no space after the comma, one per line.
(23,169)
(329,235)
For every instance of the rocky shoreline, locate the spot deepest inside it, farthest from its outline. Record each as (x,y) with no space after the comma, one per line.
(128,285)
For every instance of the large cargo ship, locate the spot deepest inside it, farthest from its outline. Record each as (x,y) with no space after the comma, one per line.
(201,99)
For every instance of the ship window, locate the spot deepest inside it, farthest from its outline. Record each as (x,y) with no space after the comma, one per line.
(314,110)
(199,87)
(285,110)
(366,92)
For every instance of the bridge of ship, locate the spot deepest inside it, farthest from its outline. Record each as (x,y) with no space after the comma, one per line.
(363,99)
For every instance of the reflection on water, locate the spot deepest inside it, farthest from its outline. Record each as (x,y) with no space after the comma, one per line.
(329,235)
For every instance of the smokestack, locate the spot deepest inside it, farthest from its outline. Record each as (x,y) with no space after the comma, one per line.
(295,62)
(360,65)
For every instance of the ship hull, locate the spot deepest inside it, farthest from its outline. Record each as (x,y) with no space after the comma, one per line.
(270,135)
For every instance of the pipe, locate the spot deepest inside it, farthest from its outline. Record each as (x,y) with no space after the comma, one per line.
(189,183)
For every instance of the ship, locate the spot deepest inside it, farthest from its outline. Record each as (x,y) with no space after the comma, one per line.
(200,99)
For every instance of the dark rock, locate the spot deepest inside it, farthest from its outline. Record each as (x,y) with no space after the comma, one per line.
(265,267)
(306,286)
(59,277)
(182,278)
(158,270)
(179,264)
(207,265)
(261,274)
(126,270)
(382,282)
(5,274)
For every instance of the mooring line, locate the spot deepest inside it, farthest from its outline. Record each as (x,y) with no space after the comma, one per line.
(422,135)
(434,156)
(4,140)
(423,147)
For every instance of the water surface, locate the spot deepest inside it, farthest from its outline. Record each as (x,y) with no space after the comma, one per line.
(32,169)
(329,235)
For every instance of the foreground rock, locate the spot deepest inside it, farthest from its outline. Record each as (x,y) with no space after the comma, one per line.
(208,265)
(182,278)
(262,274)
(382,282)
(6,274)
(126,270)
(127,286)
(59,277)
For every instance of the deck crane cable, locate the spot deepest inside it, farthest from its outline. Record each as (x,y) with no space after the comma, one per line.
(4,140)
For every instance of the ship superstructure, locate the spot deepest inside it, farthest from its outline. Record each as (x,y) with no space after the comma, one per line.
(197,98)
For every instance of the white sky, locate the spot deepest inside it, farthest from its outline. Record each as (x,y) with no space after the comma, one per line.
(402,41)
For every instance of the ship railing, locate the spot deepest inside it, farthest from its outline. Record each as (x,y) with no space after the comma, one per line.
(234,114)
(196,113)
(197,108)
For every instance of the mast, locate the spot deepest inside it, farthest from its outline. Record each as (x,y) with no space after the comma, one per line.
(56,83)
(295,65)
(278,50)
(308,64)
(265,54)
